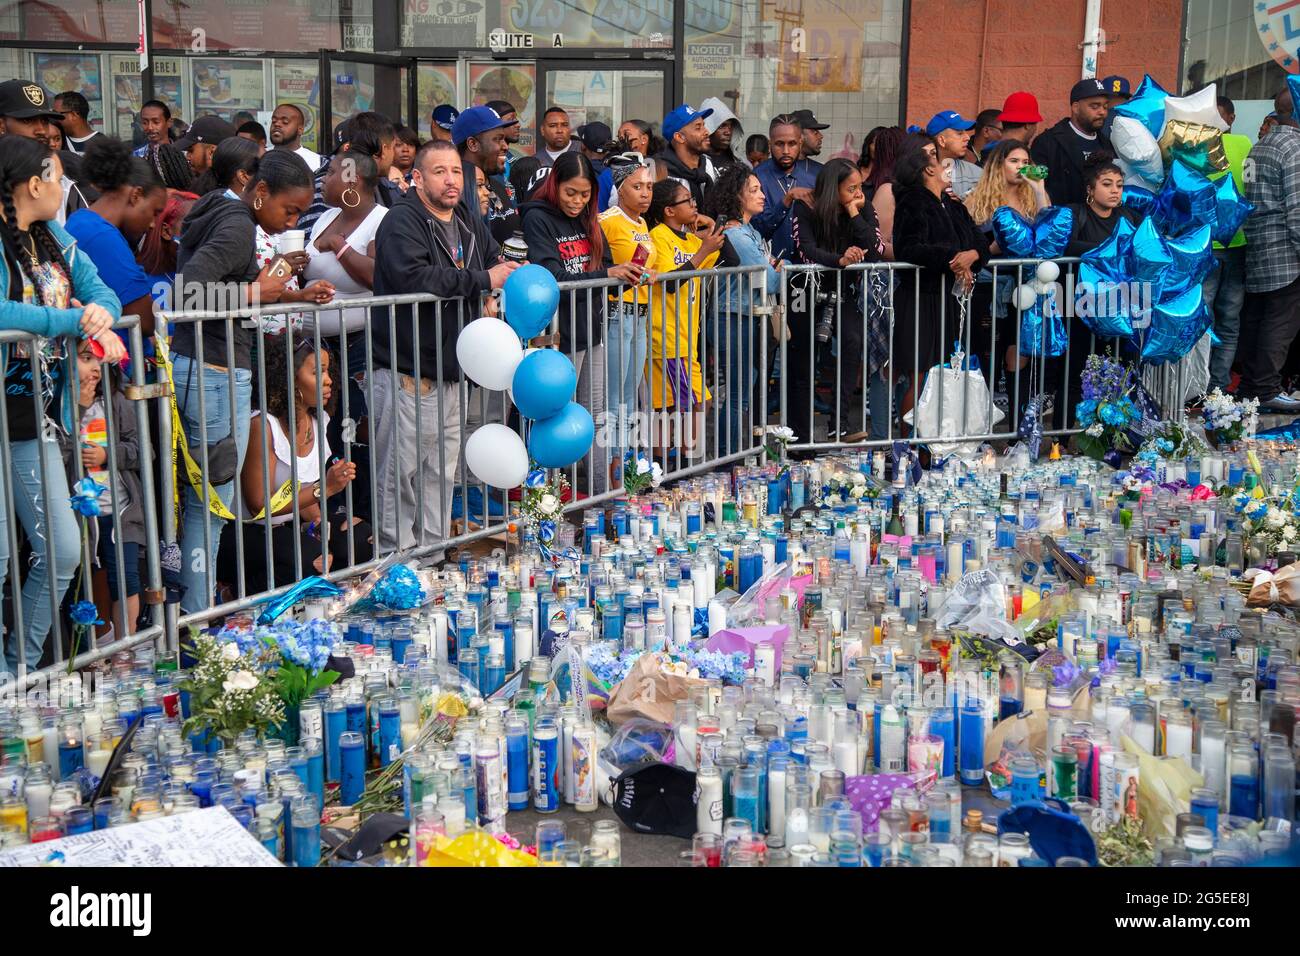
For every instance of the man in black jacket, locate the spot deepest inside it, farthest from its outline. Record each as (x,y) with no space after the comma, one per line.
(1070,144)
(686,159)
(427,243)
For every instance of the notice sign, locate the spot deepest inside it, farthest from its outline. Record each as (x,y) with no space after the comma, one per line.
(711,61)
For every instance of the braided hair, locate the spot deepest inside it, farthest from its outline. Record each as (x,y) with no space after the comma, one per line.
(20,160)
(175,168)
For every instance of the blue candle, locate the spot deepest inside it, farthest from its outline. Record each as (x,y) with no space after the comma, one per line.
(298,764)
(943,725)
(72,757)
(506,628)
(1009,707)
(286,827)
(877,711)
(335,725)
(775,496)
(103,811)
(496,675)
(315,768)
(1206,803)
(78,820)
(1024,780)
(390,731)
(972,743)
(517,763)
(1243,798)
(352,748)
(400,641)
(201,786)
(306,837)
(356,716)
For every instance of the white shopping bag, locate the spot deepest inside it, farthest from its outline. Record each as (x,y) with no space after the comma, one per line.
(971,413)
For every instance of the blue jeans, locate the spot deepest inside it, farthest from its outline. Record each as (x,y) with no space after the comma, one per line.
(1225,292)
(31,506)
(626,349)
(742,351)
(199,560)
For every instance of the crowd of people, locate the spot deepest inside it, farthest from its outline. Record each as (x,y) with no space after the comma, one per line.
(689,232)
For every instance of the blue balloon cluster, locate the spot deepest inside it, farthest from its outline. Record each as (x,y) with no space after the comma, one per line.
(1147,106)
(1042,329)
(1158,267)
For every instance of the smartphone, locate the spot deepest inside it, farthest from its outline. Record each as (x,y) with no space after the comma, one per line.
(280,268)
(641,256)
(718,227)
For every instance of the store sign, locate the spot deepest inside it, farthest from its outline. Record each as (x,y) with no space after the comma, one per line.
(591,23)
(1279,30)
(821,49)
(444,23)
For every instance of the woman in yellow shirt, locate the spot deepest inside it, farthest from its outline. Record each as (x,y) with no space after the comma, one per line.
(684,241)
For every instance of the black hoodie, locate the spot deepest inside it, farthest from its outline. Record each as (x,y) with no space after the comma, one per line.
(561,245)
(410,256)
(217,245)
(697,180)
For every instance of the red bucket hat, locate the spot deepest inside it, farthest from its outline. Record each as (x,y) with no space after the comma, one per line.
(1020,107)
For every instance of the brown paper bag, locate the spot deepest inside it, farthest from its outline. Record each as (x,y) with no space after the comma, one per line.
(648,692)
(1281,588)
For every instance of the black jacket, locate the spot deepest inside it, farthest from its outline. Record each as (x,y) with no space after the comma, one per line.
(217,246)
(697,180)
(410,256)
(862,232)
(1089,231)
(561,245)
(929,230)
(1054,148)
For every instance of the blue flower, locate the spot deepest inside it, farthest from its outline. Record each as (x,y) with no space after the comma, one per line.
(546,531)
(399,589)
(85,499)
(536,478)
(85,614)
(1086,411)
(1165,446)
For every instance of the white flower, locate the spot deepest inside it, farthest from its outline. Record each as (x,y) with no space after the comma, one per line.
(859,479)
(1275,518)
(239,680)
(1096,430)
(1288,531)
(656,473)
(642,466)
(781,433)
(230,651)
(548,505)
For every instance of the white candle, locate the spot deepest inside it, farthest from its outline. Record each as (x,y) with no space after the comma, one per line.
(776,801)
(51,746)
(1178,740)
(796,826)
(38,799)
(717,618)
(708,811)
(846,757)
(92,722)
(686,751)
(97,761)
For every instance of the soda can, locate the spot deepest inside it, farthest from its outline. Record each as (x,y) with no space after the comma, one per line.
(546,766)
(584,768)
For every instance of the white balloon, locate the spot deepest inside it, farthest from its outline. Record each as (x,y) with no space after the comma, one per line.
(1137,149)
(489,351)
(1133,178)
(1024,297)
(1199,107)
(497,456)
(1048,271)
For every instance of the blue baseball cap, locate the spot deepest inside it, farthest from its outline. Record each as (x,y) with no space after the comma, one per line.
(445,116)
(948,119)
(1116,86)
(680,118)
(475,121)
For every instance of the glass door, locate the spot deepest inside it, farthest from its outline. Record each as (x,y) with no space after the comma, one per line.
(357,82)
(608,93)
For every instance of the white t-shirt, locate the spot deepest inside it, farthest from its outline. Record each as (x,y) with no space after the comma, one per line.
(282,447)
(325,265)
(310,156)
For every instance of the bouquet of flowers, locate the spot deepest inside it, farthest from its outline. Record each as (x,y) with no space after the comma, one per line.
(542,505)
(1172,441)
(1228,419)
(842,487)
(640,474)
(230,690)
(1274,526)
(1108,412)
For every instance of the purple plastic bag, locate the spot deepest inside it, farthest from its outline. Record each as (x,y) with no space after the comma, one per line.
(744,638)
(868,795)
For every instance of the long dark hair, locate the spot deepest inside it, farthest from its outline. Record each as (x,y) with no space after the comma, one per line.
(831,223)
(661,198)
(723,203)
(20,160)
(175,168)
(573,166)
(232,156)
(887,141)
(910,169)
(655,143)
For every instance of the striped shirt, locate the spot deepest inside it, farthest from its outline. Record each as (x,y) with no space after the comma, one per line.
(1272,177)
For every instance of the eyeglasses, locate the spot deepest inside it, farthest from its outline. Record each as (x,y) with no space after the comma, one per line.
(682,202)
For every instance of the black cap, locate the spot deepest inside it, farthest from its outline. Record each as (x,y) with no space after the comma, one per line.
(209,130)
(1085,89)
(808,121)
(657,798)
(23,99)
(595,136)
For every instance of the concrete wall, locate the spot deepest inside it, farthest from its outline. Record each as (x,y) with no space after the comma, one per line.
(968,55)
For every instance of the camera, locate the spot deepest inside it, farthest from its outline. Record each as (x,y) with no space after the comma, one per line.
(826,302)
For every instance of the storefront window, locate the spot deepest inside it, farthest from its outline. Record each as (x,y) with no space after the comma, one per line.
(201,26)
(516,83)
(517,26)
(69,21)
(839,58)
(1245,47)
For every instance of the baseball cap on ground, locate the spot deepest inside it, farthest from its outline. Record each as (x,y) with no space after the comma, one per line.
(1086,88)
(475,121)
(720,115)
(808,121)
(23,99)
(1116,86)
(595,136)
(445,116)
(1020,107)
(208,130)
(657,798)
(948,119)
(680,118)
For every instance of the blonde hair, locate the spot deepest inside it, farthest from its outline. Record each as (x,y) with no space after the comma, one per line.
(992,191)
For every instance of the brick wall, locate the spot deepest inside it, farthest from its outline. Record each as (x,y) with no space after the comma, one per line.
(1030,46)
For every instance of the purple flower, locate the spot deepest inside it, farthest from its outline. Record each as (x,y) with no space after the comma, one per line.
(1063,675)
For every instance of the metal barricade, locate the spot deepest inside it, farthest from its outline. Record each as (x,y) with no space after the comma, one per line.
(42,464)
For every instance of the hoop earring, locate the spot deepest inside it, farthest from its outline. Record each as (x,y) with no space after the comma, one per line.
(257,203)
(356,200)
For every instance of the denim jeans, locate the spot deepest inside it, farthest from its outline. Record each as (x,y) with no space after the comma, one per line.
(1225,292)
(742,370)
(627,346)
(31,506)
(199,557)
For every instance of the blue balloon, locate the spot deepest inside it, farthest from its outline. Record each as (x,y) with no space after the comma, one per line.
(1177,324)
(562,439)
(1103,297)
(1139,199)
(1042,330)
(544,383)
(1231,209)
(1186,202)
(1147,106)
(1149,258)
(1193,261)
(531,297)
(1045,238)
(1293,84)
